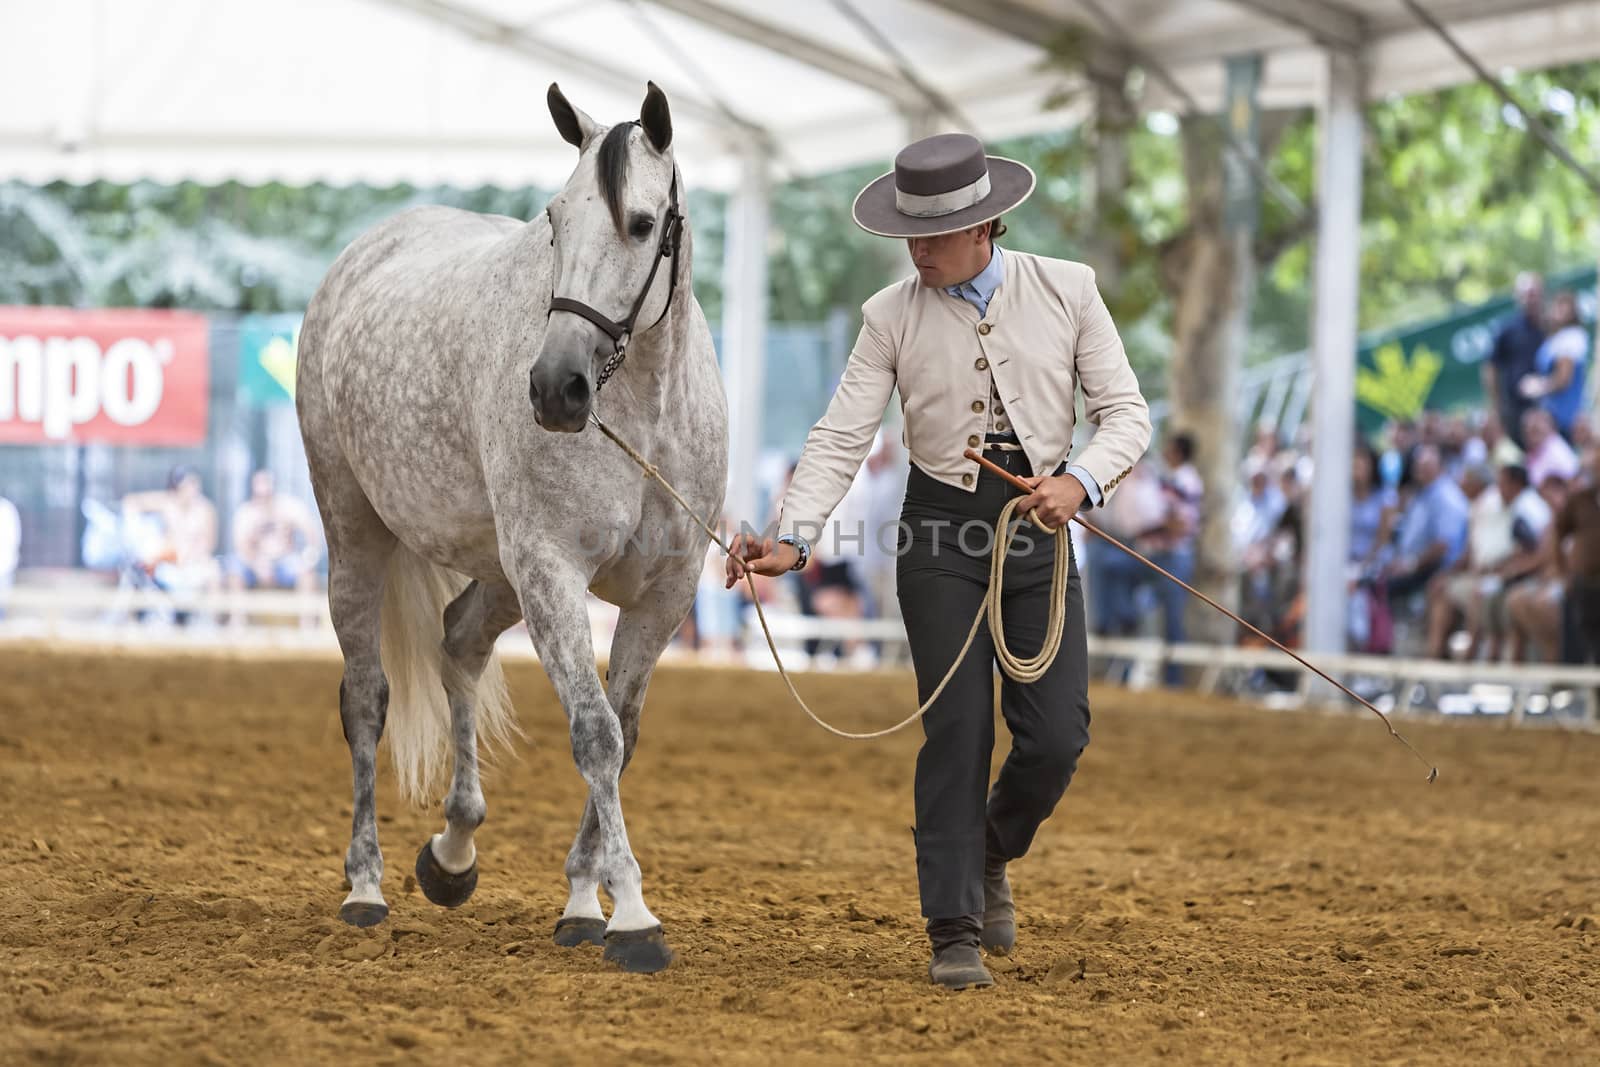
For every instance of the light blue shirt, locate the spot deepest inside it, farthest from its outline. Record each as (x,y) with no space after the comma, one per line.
(978,291)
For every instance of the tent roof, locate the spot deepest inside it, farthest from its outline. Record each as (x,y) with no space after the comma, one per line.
(452,91)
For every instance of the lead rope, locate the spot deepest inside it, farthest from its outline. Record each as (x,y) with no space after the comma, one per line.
(1028,669)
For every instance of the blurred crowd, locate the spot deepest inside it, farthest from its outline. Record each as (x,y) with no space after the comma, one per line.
(1473,534)
(168,541)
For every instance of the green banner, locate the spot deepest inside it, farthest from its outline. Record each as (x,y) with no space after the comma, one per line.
(267,346)
(1435,366)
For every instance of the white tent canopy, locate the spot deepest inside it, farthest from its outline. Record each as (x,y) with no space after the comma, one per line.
(452,91)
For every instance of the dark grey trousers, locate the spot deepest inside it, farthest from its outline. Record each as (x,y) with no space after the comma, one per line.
(943,572)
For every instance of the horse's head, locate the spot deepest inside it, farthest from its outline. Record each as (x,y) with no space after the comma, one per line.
(611,270)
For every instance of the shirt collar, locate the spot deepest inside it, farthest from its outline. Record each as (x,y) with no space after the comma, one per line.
(987,280)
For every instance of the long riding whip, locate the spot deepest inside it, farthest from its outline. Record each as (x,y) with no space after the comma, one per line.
(1016,667)
(1433,772)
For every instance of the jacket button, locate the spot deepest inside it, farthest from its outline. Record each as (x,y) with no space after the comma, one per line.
(983,328)
(982,363)
(966,479)
(977,406)
(972,441)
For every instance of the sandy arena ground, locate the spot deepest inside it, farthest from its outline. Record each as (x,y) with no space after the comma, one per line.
(1222,885)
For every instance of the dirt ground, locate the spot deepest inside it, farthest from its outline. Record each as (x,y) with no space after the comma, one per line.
(1221,884)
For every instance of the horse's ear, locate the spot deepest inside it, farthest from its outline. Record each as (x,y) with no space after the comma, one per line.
(656,118)
(575,127)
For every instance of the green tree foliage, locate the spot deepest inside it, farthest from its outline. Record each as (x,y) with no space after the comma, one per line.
(1458,198)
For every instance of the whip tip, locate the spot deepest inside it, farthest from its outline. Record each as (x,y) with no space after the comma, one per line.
(1433,775)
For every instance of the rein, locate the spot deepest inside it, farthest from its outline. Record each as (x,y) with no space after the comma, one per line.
(622,332)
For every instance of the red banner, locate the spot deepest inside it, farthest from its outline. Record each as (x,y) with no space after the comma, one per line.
(120,377)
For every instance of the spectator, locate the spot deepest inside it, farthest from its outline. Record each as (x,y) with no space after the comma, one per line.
(1432,531)
(1453,593)
(1264,449)
(1548,454)
(10,548)
(1371,514)
(1498,448)
(1368,504)
(1170,543)
(1556,383)
(1256,523)
(1515,355)
(1136,507)
(887,469)
(1394,466)
(1527,519)
(1533,609)
(275,543)
(1577,537)
(185,558)
(1257,515)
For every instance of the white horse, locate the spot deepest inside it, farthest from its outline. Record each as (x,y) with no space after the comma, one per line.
(452,509)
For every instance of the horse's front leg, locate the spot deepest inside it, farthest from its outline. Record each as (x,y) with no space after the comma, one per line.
(643,632)
(553,603)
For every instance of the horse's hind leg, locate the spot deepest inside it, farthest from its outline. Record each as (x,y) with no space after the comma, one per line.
(359,548)
(642,633)
(447,866)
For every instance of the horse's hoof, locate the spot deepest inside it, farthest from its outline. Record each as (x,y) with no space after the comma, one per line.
(575,930)
(439,885)
(363,913)
(638,951)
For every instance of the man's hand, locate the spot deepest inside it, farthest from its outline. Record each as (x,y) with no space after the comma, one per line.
(761,555)
(1056,498)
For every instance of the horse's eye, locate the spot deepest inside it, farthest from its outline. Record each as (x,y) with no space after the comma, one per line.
(640,228)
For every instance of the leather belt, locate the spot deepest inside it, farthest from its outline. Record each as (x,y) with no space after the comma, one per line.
(1001,442)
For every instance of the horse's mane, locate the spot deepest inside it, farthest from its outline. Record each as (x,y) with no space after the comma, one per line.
(611,166)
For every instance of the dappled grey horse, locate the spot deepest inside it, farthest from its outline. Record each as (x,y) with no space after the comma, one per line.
(452,510)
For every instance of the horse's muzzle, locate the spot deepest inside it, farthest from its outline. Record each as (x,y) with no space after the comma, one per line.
(562,406)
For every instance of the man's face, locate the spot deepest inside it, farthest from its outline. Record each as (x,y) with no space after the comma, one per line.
(1530,294)
(950,259)
(1426,465)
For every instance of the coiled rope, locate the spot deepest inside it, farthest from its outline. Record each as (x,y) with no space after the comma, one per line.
(1019,668)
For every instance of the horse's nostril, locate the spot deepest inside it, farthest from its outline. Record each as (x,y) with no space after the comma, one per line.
(576,391)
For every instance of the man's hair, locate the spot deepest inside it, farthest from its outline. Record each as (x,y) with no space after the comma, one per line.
(997,230)
(1517,473)
(1184,444)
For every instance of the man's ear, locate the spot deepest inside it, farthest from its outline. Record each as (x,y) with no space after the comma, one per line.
(656,118)
(575,127)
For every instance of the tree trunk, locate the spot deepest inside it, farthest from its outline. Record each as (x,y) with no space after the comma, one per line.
(1210,275)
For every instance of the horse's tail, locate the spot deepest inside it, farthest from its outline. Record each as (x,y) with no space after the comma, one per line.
(412,635)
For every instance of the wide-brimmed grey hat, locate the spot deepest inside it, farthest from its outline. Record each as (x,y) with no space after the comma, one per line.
(940,185)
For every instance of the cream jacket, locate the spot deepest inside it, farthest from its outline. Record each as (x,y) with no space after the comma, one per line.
(1046,334)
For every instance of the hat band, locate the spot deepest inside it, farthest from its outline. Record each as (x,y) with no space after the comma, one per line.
(928,207)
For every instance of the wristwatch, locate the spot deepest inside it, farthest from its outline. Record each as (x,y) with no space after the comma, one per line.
(801,546)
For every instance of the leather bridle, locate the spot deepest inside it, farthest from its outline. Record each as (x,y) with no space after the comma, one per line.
(622,332)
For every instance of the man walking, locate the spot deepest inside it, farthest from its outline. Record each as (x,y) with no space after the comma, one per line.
(987,348)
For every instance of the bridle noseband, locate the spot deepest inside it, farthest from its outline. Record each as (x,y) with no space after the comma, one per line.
(622,332)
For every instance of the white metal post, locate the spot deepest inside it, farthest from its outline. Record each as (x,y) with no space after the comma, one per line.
(744,332)
(1333,346)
